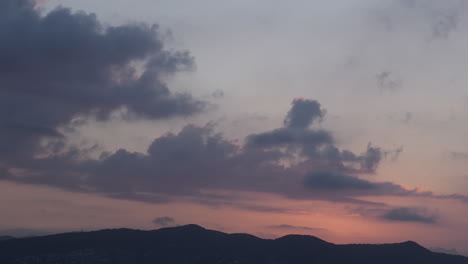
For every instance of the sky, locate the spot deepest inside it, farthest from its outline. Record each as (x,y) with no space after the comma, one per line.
(346,120)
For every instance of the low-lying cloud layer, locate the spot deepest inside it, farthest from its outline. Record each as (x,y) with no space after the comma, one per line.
(197,160)
(404,214)
(417,215)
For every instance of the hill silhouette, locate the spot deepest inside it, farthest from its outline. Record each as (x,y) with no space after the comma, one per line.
(5,238)
(194,244)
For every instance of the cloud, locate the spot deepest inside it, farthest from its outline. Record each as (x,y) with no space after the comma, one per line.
(218,94)
(297,228)
(387,81)
(303,113)
(196,161)
(420,215)
(333,181)
(435,19)
(285,137)
(346,186)
(459,155)
(405,214)
(314,144)
(164,221)
(63,65)
(450,251)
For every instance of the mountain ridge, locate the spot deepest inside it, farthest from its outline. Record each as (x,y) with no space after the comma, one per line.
(5,238)
(195,244)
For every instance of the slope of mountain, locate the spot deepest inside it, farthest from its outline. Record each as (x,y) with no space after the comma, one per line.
(194,244)
(5,238)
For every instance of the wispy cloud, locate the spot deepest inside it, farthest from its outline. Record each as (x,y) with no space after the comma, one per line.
(164,221)
(297,228)
(405,214)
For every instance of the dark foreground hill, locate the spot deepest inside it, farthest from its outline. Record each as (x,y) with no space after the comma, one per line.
(5,238)
(193,244)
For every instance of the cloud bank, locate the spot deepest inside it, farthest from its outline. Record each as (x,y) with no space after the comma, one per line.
(197,160)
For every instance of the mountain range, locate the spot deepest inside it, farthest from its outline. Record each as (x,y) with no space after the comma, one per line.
(192,244)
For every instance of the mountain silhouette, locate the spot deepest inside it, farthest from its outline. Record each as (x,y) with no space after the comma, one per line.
(194,244)
(5,238)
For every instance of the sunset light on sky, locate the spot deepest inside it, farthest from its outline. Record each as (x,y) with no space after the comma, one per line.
(346,120)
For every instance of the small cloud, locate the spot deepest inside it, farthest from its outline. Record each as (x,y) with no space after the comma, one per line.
(405,118)
(408,117)
(164,221)
(387,81)
(218,94)
(303,113)
(458,155)
(395,153)
(439,19)
(293,227)
(445,23)
(451,251)
(404,214)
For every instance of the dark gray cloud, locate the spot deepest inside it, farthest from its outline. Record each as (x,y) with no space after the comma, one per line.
(285,136)
(315,144)
(351,186)
(405,214)
(371,158)
(164,221)
(303,113)
(175,164)
(347,188)
(420,215)
(197,160)
(332,181)
(64,65)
